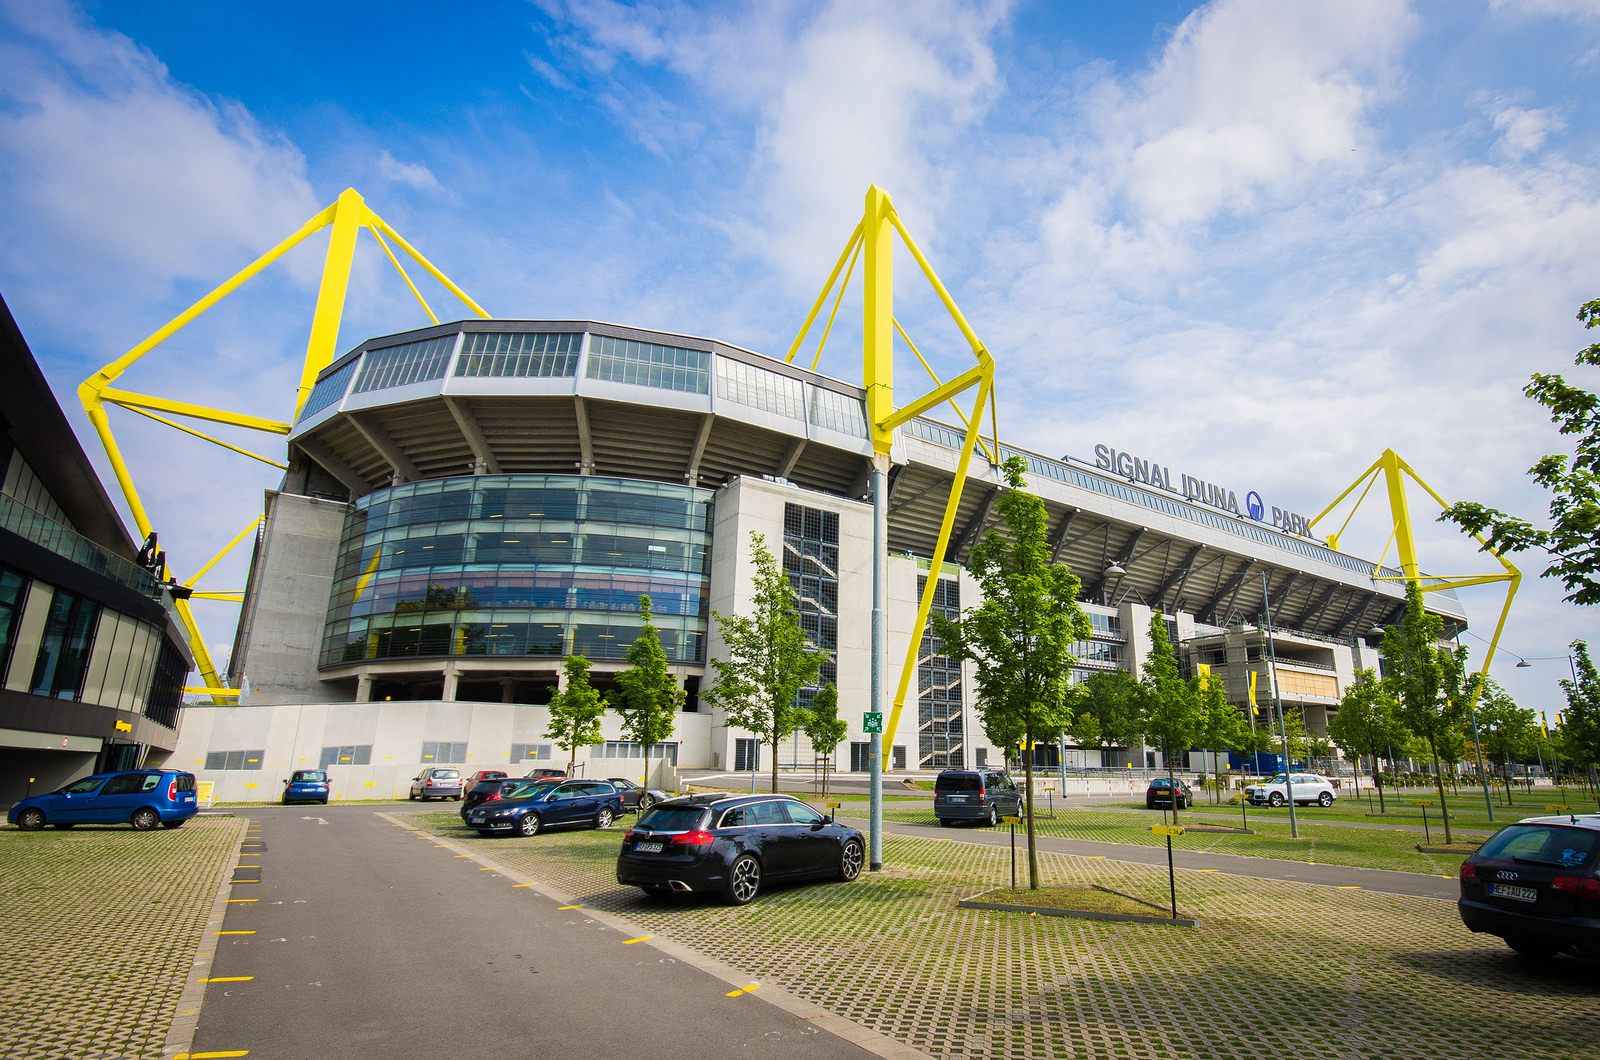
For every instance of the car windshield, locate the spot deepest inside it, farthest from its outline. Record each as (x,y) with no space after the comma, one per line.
(528,790)
(956,782)
(1161,783)
(672,818)
(1544,844)
(1276,779)
(312,776)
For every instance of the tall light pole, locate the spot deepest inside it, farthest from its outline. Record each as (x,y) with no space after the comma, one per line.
(1277,702)
(1477,746)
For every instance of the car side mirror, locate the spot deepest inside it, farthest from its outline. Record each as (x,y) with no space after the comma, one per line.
(286,783)
(816,826)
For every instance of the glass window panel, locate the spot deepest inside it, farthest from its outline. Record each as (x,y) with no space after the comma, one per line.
(329,390)
(649,364)
(519,354)
(413,362)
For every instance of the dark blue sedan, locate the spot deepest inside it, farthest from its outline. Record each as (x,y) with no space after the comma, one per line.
(307,785)
(563,804)
(143,798)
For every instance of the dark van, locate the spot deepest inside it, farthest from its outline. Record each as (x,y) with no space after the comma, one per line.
(983,795)
(143,798)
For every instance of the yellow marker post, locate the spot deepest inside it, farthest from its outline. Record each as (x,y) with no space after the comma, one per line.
(1170,830)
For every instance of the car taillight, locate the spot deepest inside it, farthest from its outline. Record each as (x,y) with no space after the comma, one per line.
(493,795)
(627,837)
(1467,871)
(1577,886)
(983,793)
(697,838)
(172,789)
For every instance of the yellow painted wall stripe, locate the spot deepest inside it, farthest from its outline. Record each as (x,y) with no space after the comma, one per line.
(641,938)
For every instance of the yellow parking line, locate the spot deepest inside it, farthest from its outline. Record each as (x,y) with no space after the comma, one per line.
(743,990)
(227,979)
(212,1056)
(522,885)
(236,932)
(569,907)
(1096,857)
(487,868)
(1347,887)
(1205,870)
(641,938)
(461,855)
(243,881)
(233,900)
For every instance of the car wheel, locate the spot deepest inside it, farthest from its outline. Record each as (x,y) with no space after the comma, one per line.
(324,802)
(645,802)
(744,880)
(411,795)
(994,817)
(144,819)
(850,860)
(1275,799)
(1325,799)
(1536,948)
(530,824)
(945,822)
(30,820)
(602,820)
(166,824)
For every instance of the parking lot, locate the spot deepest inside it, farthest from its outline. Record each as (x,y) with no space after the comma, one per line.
(361,926)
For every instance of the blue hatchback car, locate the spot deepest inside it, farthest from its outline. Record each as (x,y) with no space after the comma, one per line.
(143,798)
(307,785)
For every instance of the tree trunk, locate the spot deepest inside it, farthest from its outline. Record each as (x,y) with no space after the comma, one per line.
(647,747)
(1438,782)
(774,759)
(1033,847)
(1172,789)
(1355,777)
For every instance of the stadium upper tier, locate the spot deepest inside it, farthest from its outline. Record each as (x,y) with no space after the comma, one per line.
(559,396)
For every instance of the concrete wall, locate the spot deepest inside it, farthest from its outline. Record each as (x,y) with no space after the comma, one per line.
(280,633)
(293,736)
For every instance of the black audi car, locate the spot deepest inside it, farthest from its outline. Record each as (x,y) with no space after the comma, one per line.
(734,845)
(1536,884)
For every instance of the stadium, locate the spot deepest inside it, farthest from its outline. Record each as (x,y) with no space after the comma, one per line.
(468,503)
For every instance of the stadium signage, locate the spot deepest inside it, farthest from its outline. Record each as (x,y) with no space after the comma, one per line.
(1192,488)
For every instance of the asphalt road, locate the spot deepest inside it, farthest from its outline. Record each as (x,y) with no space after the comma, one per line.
(368,941)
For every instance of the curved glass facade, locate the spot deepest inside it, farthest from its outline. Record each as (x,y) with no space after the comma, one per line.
(519,566)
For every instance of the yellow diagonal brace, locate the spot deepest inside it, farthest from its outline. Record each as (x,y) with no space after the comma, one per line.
(937,396)
(833,313)
(214,693)
(805,327)
(401,269)
(946,527)
(429,267)
(229,547)
(994,458)
(129,399)
(349,214)
(206,437)
(232,596)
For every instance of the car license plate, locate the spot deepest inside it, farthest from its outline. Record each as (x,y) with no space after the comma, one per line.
(956,798)
(648,848)
(1519,894)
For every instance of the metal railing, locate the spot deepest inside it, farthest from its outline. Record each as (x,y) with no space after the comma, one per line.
(68,543)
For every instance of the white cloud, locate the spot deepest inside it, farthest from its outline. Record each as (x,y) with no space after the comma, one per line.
(412,174)
(1524,131)
(1547,8)
(115,163)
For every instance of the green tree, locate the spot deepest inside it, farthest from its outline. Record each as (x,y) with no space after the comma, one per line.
(1104,710)
(1169,706)
(1021,635)
(769,658)
(1573,483)
(1505,730)
(575,711)
(648,697)
(1579,737)
(1223,727)
(1368,724)
(825,729)
(1426,678)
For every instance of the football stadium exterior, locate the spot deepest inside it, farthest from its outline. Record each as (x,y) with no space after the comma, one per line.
(468,503)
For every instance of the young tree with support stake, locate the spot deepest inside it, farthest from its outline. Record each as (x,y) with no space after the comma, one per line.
(1579,735)
(1169,706)
(769,659)
(1368,723)
(575,712)
(648,697)
(1505,730)
(1104,710)
(1222,726)
(1021,635)
(1427,679)
(825,729)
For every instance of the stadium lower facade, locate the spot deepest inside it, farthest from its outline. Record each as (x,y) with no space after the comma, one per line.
(469,503)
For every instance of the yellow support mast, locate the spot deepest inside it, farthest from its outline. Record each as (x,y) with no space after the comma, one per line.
(346,217)
(1394,472)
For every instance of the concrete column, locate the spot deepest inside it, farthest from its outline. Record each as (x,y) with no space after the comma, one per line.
(451,679)
(363,687)
(508,690)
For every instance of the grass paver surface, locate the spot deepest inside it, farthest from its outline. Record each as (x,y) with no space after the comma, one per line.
(1274,969)
(99,929)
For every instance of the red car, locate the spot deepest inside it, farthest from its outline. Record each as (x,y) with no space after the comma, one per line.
(484,774)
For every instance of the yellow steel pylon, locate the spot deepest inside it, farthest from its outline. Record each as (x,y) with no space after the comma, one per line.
(1394,471)
(873,240)
(346,216)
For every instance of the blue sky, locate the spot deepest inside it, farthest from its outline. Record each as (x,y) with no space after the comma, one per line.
(1255,241)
